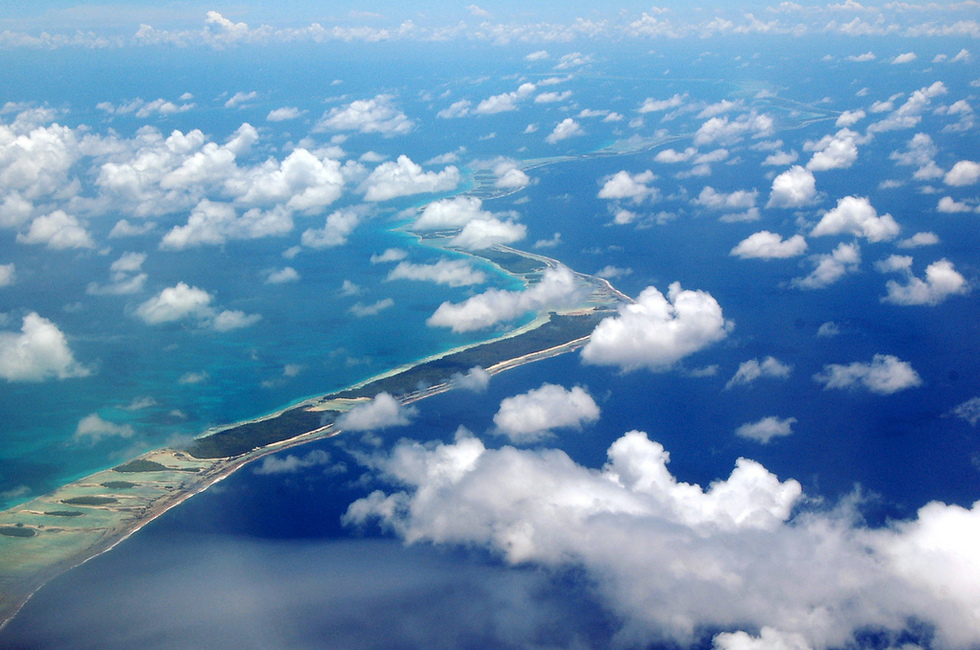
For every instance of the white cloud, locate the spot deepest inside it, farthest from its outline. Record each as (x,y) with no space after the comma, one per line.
(478,12)
(39,351)
(480,234)
(538,55)
(453,273)
(849,118)
(93,428)
(59,231)
(338,226)
(965,172)
(828,330)
(125,275)
(240,98)
(282,276)
(476,380)
(552,97)
(907,57)
(725,131)
(856,216)
(844,259)
(509,176)
(361,310)
(753,369)
(556,290)
(623,185)
(909,114)
(611,272)
(184,302)
(769,245)
(376,115)
(781,158)
(404,178)
(948,205)
(382,412)
(290,464)
(567,128)
(942,281)
(459,108)
(7,274)
(283,114)
(838,151)
(969,411)
(656,332)
(867,56)
(884,375)
(531,416)
(793,188)
(651,105)
(390,255)
(213,223)
(766,429)
(504,102)
(446,214)
(919,239)
(671,156)
(920,154)
(715,200)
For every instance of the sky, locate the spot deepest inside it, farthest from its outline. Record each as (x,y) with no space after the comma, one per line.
(208,212)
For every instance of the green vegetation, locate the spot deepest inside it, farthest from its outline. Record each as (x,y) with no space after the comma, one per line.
(557,331)
(17,531)
(140,465)
(512,262)
(248,436)
(289,424)
(118,485)
(89,501)
(64,513)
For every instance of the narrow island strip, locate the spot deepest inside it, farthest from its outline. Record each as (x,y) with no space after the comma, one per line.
(44,537)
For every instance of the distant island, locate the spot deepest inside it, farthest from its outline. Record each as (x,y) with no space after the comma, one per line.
(51,534)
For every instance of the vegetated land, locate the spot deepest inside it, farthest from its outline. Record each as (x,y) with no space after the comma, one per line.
(512,262)
(248,436)
(16,531)
(89,501)
(64,513)
(118,485)
(557,331)
(140,465)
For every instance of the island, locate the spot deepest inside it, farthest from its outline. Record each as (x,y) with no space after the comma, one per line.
(49,535)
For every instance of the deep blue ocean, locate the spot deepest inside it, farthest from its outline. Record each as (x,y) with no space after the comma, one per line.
(226,556)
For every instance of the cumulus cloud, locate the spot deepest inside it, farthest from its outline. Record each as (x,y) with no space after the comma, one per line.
(793,188)
(919,239)
(623,185)
(567,128)
(480,234)
(651,105)
(671,559)
(531,416)
(476,379)
(920,154)
(884,375)
(909,114)
(338,226)
(838,151)
(283,114)
(969,411)
(125,275)
(737,200)
(754,369)
(722,130)
(459,108)
(213,223)
(766,429)
(382,412)
(844,259)
(184,302)
(7,274)
(281,276)
(671,156)
(93,429)
(291,464)
(361,310)
(556,290)
(948,205)
(656,331)
(509,175)
(38,352)
(404,178)
(856,216)
(965,172)
(390,255)
(58,231)
(376,115)
(849,118)
(449,214)
(769,245)
(453,273)
(906,57)
(941,281)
